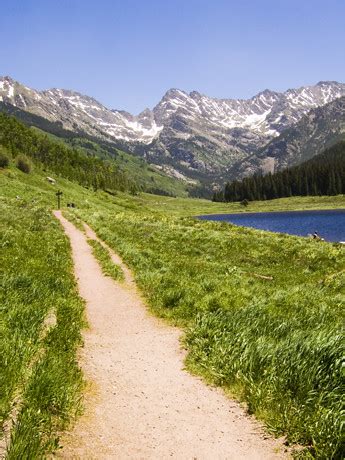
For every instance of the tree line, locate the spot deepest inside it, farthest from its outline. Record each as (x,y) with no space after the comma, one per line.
(324,174)
(65,161)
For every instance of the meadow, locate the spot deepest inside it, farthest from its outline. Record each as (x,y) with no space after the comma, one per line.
(41,316)
(262,312)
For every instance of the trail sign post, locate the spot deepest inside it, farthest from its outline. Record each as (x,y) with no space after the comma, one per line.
(58,194)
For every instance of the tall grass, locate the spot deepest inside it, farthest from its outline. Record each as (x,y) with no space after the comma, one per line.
(263,314)
(38,364)
(109,268)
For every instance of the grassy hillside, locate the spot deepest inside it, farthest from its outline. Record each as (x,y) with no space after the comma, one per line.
(145,176)
(262,312)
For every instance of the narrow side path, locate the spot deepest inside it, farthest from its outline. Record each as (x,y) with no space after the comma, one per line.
(141,404)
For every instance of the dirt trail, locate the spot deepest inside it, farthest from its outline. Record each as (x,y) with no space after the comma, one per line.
(141,403)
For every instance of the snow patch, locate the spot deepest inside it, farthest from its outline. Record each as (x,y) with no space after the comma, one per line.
(272,133)
(257,121)
(172,172)
(10,90)
(22,99)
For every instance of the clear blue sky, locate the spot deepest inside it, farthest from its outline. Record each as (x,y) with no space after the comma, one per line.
(127,53)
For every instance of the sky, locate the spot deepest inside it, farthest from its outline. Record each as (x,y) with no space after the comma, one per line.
(128,53)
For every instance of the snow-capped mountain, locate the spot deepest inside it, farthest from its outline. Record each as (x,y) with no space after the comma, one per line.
(79,112)
(192,133)
(319,129)
(208,133)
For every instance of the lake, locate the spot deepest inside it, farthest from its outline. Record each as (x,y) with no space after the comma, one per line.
(330,224)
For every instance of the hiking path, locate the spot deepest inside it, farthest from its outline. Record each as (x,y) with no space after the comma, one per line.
(140,403)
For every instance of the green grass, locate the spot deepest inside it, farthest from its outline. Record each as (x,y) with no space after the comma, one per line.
(192,207)
(38,365)
(148,176)
(36,187)
(275,343)
(109,268)
(72,217)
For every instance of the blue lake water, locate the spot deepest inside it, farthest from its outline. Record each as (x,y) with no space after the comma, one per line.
(330,224)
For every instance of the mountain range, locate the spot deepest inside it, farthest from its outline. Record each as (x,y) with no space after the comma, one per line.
(193,136)
(316,131)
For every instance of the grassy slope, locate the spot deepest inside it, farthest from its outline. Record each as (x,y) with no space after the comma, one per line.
(137,169)
(148,176)
(37,187)
(37,359)
(143,174)
(275,343)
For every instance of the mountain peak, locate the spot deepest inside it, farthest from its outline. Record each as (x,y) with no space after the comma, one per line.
(174,92)
(188,128)
(7,78)
(195,95)
(327,83)
(268,92)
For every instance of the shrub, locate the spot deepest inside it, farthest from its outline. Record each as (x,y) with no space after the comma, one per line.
(4,160)
(23,164)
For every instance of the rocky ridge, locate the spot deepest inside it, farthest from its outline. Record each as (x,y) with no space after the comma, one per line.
(319,129)
(186,134)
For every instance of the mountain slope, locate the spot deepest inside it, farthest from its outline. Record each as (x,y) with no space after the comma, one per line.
(185,134)
(146,177)
(319,129)
(83,160)
(77,112)
(323,174)
(222,130)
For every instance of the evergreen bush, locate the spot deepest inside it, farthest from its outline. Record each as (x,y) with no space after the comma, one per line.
(4,160)
(23,164)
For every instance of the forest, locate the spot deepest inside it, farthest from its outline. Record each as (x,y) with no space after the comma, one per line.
(324,174)
(68,162)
